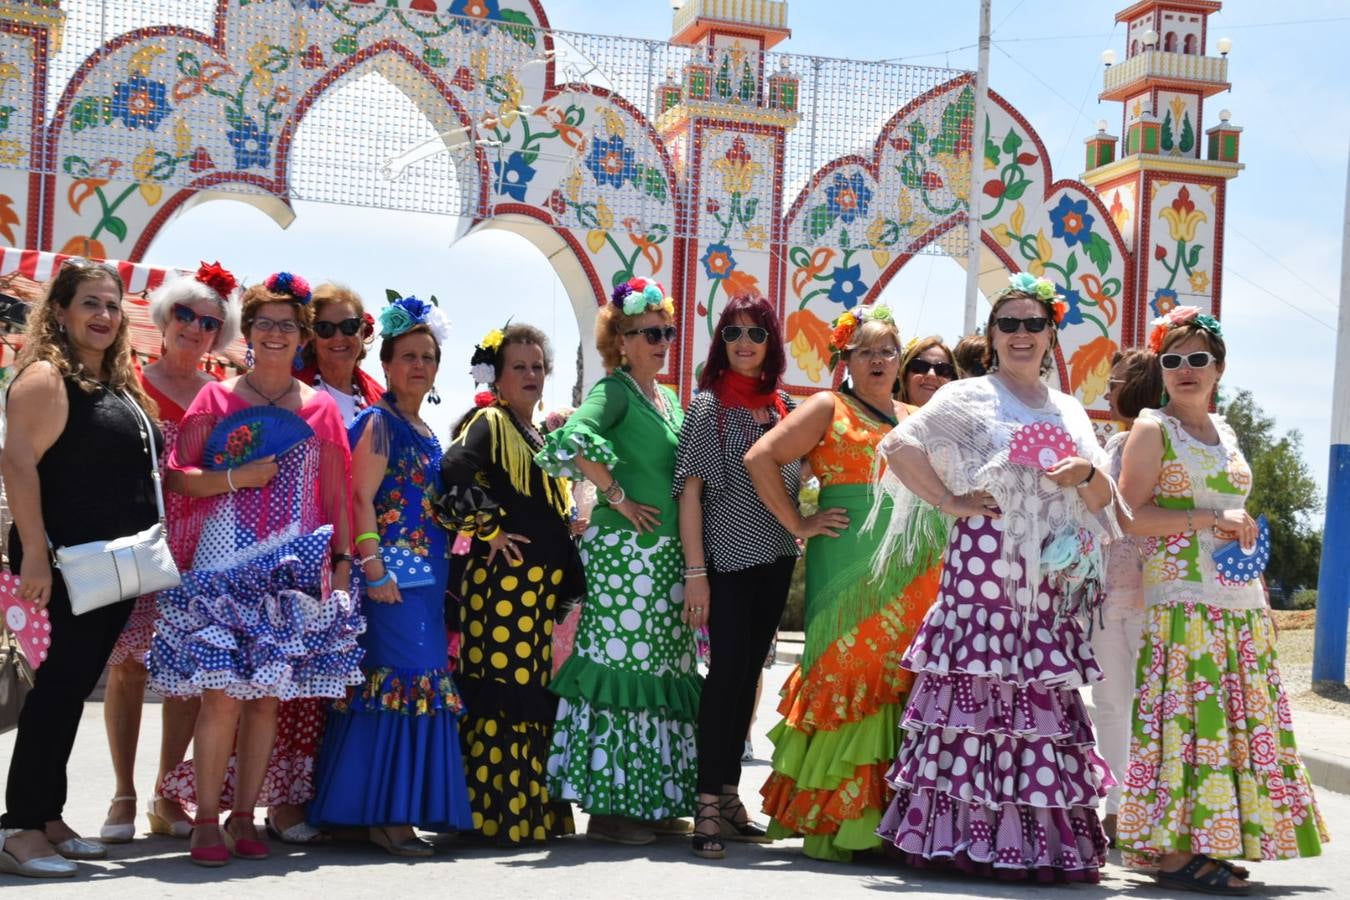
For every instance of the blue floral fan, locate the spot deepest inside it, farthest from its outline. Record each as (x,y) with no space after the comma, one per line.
(1235,565)
(408,569)
(253,433)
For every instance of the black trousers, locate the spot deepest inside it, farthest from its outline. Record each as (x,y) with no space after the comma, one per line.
(744,613)
(81,645)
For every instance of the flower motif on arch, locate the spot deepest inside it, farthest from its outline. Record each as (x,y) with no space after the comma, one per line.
(1163,302)
(848,287)
(311,5)
(512,178)
(737,168)
(1182,217)
(480,11)
(718,262)
(848,197)
(1068,309)
(611,162)
(1071,221)
(140,102)
(252,146)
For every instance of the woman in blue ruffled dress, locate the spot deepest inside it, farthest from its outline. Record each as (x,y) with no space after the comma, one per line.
(390,758)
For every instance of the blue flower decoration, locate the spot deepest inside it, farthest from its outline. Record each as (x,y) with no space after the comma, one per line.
(513,176)
(312,5)
(252,146)
(1164,301)
(848,197)
(479,11)
(848,287)
(140,102)
(611,162)
(1071,222)
(1073,314)
(718,262)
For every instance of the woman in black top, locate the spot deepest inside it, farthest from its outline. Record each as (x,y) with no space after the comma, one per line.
(738,557)
(76,466)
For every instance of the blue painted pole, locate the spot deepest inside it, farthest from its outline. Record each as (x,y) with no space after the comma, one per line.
(1333,584)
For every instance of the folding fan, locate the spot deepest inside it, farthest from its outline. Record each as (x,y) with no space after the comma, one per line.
(254,433)
(25,621)
(408,569)
(1236,564)
(1040,445)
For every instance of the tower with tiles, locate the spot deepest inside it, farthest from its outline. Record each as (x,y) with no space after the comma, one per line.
(1165,178)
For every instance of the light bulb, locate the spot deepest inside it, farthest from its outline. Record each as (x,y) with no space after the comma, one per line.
(1225,115)
(1224,45)
(1150,38)
(1108,58)
(1101,126)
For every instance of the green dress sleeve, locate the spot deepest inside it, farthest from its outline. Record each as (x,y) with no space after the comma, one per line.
(585,430)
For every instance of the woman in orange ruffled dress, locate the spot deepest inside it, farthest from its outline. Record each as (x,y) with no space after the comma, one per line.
(841,707)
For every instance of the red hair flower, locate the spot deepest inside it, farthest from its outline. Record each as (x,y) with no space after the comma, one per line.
(484,398)
(216,277)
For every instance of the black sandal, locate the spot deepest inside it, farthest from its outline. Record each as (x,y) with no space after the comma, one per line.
(708,846)
(1240,871)
(734,828)
(1216,881)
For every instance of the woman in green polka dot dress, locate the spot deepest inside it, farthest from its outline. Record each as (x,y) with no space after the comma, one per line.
(623,744)
(522,571)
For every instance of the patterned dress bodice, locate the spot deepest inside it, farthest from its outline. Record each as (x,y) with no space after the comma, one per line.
(1179,568)
(846,453)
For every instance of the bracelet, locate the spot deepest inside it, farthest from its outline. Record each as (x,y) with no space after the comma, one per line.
(369,559)
(367,536)
(946,495)
(690,570)
(1215,513)
(615,489)
(1190,520)
(689,575)
(491,534)
(341,558)
(229,479)
(1092,473)
(381,582)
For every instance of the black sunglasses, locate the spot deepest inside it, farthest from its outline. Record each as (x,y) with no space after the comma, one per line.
(1200,359)
(1009,324)
(349,327)
(187,315)
(732,333)
(655,334)
(923,367)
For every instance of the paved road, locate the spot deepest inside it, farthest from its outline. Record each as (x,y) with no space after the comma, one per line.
(572,868)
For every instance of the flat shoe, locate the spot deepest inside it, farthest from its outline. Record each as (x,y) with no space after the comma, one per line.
(301,833)
(412,847)
(678,827)
(160,825)
(119,832)
(80,848)
(619,831)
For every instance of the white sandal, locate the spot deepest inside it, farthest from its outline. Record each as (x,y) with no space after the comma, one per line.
(182,828)
(120,833)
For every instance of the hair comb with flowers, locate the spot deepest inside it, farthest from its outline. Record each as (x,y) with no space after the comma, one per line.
(843,328)
(1175,318)
(291,285)
(404,313)
(217,278)
(483,365)
(1043,289)
(638,295)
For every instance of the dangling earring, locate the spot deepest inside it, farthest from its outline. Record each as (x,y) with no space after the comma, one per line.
(541,404)
(1165,400)
(248,356)
(299,362)
(433,397)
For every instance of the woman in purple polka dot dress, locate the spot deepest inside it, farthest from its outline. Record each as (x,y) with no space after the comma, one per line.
(997,772)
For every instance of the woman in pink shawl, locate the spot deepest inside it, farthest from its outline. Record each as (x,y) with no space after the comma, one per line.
(257,628)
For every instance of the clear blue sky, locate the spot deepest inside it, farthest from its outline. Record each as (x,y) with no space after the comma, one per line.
(1284,212)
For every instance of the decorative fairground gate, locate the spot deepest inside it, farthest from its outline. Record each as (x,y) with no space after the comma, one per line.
(712,163)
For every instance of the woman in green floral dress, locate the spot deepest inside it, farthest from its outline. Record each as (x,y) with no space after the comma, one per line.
(1214,773)
(623,743)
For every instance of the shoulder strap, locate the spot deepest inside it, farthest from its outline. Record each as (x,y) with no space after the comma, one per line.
(147,435)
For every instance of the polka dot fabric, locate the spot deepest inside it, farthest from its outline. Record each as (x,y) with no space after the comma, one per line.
(506,628)
(623,743)
(997,770)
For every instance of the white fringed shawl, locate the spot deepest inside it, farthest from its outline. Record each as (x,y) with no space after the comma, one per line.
(965,430)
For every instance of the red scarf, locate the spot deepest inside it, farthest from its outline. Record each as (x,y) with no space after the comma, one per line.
(736,390)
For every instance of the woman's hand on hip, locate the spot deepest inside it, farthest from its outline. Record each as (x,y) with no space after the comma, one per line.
(697,601)
(644,518)
(976,503)
(508,545)
(35,579)
(824,523)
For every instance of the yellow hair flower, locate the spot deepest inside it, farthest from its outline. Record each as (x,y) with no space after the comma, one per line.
(668,305)
(492,340)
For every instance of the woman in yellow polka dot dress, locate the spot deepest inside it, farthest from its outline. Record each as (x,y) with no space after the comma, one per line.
(522,572)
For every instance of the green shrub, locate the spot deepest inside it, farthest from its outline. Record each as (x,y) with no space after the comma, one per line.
(1305,598)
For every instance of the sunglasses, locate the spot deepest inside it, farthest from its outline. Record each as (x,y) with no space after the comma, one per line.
(655,334)
(285,326)
(79,262)
(733,333)
(1033,324)
(349,327)
(1197,360)
(187,315)
(923,367)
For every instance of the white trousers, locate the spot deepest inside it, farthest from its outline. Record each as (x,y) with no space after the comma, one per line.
(1116,645)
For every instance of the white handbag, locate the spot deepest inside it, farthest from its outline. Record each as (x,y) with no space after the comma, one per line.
(100,573)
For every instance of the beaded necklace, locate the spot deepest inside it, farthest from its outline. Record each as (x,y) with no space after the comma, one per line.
(662,408)
(358,396)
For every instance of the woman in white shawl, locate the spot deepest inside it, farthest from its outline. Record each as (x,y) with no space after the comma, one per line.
(997,772)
